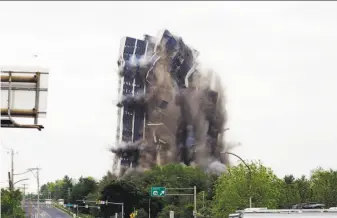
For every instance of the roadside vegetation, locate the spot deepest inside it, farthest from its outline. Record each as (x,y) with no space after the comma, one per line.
(217,196)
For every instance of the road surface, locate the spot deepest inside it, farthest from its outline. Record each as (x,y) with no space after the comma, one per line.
(46,211)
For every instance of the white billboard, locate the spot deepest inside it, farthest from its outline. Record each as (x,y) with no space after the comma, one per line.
(23,95)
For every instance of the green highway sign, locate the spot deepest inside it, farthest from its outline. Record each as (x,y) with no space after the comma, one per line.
(158,191)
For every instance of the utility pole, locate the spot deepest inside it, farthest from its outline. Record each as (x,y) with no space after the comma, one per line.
(38,191)
(12,168)
(11,173)
(9,181)
(24,193)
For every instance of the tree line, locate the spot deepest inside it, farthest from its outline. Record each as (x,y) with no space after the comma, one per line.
(217,196)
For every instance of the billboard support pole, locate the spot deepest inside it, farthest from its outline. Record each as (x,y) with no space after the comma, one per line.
(37,97)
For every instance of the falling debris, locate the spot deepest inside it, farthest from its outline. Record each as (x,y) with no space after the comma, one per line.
(169,110)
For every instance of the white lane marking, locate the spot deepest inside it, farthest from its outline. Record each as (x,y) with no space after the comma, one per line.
(47,214)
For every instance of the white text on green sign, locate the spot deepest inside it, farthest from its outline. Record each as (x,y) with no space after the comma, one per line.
(158,191)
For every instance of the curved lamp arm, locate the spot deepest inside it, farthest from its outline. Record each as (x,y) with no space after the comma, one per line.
(249,174)
(16,174)
(20,181)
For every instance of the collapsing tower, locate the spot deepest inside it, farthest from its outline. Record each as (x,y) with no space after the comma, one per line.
(168,110)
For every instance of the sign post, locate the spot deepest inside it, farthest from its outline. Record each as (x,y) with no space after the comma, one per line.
(171,214)
(161,192)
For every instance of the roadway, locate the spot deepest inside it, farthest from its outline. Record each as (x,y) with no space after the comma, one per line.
(46,211)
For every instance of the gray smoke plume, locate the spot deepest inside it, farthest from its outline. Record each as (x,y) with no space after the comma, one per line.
(183,125)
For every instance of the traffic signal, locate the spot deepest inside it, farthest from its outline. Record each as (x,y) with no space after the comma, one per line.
(101,202)
(134,214)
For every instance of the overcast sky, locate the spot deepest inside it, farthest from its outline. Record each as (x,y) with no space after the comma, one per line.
(277,61)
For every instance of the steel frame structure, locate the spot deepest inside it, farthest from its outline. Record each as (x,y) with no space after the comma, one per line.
(9,112)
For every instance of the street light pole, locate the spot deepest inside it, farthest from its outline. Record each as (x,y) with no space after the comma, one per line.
(24,193)
(195,202)
(123,210)
(38,187)
(149,207)
(249,173)
(12,167)
(38,192)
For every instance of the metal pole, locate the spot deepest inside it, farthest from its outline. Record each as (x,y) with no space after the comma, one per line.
(77,211)
(9,181)
(250,187)
(24,193)
(116,215)
(149,207)
(171,214)
(30,208)
(12,167)
(123,210)
(195,202)
(38,191)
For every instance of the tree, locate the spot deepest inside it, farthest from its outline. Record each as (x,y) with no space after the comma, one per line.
(142,213)
(44,191)
(106,179)
(66,188)
(217,196)
(121,191)
(303,186)
(174,176)
(82,189)
(324,183)
(10,204)
(290,194)
(232,189)
(60,189)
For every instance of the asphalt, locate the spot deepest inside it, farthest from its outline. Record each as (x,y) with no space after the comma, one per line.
(46,211)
